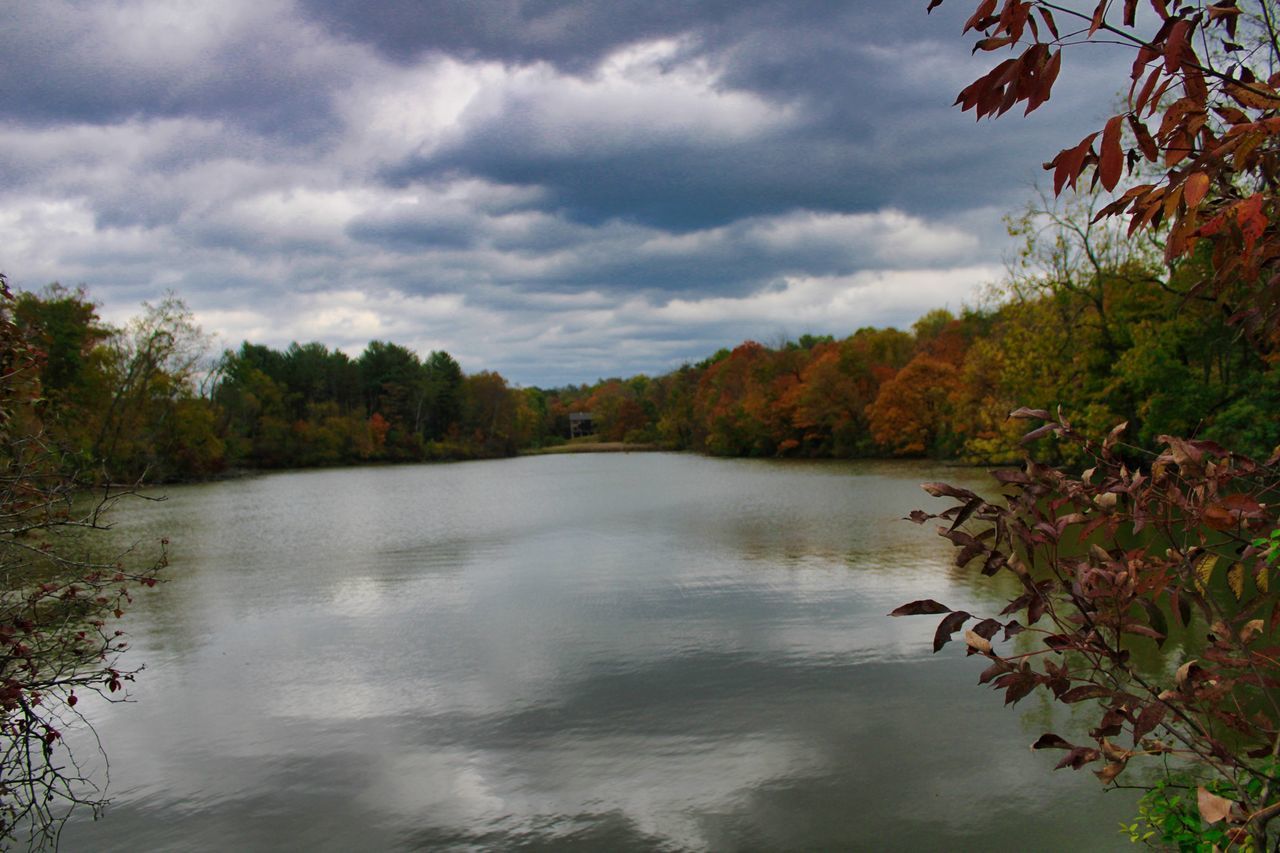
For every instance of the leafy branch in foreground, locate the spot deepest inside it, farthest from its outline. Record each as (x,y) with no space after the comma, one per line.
(1113,565)
(56,643)
(1158,561)
(1203,110)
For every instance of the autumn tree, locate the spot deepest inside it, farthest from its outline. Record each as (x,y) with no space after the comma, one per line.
(1185,544)
(57,642)
(912,414)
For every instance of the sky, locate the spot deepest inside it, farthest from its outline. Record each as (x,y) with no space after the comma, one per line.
(559,190)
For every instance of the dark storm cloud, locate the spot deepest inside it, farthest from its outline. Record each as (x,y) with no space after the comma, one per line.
(527,184)
(867,89)
(99,63)
(571,35)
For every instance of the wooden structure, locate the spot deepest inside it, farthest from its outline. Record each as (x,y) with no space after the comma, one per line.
(581,423)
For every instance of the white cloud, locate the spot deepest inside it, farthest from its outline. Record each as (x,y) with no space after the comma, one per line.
(849,302)
(274,238)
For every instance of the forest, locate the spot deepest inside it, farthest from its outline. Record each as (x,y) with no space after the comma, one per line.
(1084,319)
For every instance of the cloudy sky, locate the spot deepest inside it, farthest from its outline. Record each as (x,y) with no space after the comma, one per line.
(560,190)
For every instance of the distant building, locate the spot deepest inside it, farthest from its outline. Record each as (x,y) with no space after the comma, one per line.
(581,423)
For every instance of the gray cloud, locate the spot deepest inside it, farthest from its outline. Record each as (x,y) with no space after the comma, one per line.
(554,189)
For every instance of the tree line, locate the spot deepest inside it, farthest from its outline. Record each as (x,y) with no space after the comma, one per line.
(1085,319)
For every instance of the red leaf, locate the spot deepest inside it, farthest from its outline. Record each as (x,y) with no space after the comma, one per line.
(992,43)
(1069,163)
(1194,189)
(1047,16)
(1145,141)
(1111,159)
(984,11)
(1099,15)
(1175,45)
(1144,95)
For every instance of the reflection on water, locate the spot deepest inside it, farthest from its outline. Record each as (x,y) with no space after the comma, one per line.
(574,652)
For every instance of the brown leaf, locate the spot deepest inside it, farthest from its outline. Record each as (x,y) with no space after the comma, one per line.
(1051,741)
(977,642)
(944,490)
(1251,629)
(1115,753)
(987,628)
(1079,757)
(1212,807)
(1151,716)
(1083,692)
(947,627)
(1108,773)
(1220,518)
(917,608)
(1039,432)
(1186,673)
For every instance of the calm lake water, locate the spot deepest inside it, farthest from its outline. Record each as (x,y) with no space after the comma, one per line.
(591,652)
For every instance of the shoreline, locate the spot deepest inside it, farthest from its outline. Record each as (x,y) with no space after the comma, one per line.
(597,447)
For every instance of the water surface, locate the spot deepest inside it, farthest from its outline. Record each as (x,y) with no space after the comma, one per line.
(595,652)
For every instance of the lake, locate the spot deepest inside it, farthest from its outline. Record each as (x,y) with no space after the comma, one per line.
(586,652)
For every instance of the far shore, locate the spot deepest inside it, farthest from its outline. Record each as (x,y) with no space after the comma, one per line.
(595,447)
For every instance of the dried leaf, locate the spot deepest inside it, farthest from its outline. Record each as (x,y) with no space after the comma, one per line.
(1079,757)
(1186,673)
(1115,753)
(1108,773)
(1251,629)
(1212,807)
(977,643)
